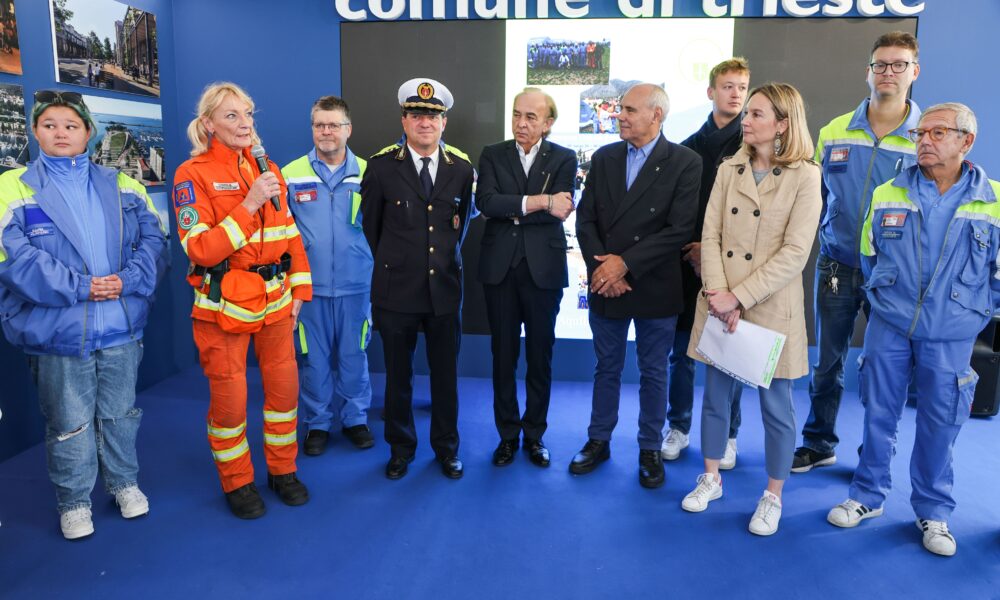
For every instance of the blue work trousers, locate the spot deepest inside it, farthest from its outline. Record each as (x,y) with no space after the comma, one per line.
(945,385)
(653,339)
(91,420)
(333,372)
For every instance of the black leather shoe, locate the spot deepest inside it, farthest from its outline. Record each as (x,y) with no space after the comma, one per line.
(537,452)
(315,443)
(245,502)
(359,436)
(594,453)
(397,466)
(452,467)
(504,454)
(650,469)
(288,487)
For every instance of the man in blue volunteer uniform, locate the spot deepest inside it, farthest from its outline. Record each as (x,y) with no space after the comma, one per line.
(858,152)
(324,195)
(929,250)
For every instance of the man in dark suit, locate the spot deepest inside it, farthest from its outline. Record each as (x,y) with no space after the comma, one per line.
(638,209)
(525,191)
(416,206)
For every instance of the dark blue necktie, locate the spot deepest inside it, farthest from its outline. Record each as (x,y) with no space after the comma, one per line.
(425,177)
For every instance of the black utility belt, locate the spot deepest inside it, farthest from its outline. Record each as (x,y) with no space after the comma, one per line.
(267,271)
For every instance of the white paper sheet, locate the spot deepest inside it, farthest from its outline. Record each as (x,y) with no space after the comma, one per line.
(749,354)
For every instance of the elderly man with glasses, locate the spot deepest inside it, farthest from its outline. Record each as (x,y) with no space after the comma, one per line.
(929,249)
(858,151)
(324,194)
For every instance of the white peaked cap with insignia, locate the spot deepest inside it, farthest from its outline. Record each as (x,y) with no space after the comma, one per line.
(423,95)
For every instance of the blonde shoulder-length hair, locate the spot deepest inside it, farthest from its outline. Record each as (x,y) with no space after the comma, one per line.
(796,143)
(211,98)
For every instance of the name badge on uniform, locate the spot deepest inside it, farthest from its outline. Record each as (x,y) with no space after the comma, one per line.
(39,230)
(307,192)
(838,159)
(37,223)
(893,219)
(892,234)
(226,186)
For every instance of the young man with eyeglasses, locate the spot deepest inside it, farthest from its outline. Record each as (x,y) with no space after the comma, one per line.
(929,250)
(324,195)
(858,152)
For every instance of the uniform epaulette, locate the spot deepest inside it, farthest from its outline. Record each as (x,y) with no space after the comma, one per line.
(386,150)
(458,153)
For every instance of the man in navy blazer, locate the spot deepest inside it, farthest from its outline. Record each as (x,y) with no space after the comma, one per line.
(638,209)
(525,190)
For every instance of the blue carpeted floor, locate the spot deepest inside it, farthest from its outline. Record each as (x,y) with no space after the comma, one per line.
(516,532)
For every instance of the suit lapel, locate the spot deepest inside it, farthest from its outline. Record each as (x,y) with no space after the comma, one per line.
(616,175)
(444,173)
(747,185)
(516,168)
(647,175)
(538,174)
(408,171)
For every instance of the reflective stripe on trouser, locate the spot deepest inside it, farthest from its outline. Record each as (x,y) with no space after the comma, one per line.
(945,385)
(223,359)
(335,329)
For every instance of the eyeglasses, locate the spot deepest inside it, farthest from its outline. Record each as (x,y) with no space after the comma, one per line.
(50,96)
(897,67)
(937,133)
(334,127)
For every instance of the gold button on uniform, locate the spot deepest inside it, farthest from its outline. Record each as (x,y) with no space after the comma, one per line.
(431,228)
(431,249)
(430,207)
(432,271)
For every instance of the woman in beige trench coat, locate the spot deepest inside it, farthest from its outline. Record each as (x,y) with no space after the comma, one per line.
(759,229)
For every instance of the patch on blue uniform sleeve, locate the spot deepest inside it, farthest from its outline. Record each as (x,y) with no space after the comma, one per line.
(37,223)
(183,193)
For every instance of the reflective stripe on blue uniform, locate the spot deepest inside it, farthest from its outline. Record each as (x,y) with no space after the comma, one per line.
(334,329)
(927,328)
(854,163)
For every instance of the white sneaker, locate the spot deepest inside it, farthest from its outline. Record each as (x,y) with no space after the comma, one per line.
(729,458)
(76,523)
(132,502)
(851,512)
(673,444)
(709,488)
(937,538)
(765,519)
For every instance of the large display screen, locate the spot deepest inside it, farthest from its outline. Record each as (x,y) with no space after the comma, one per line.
(586,66)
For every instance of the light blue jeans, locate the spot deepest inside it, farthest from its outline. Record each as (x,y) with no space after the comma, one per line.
(90,420)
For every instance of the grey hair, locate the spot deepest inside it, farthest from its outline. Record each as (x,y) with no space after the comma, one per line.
(965,119)
(658,97)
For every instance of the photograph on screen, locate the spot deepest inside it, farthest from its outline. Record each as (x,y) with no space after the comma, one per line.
(680,61)
(107,45)
(10,49)
(13,125)
(563,61)
(128,137)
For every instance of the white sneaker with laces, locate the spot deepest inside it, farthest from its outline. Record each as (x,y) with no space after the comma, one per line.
(729,458)
(851,512)
(132,502)
(673,444)
(765,519)
(937,538)
(709,488)
(76,523)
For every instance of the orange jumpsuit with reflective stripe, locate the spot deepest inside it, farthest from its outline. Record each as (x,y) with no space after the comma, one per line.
(213,226)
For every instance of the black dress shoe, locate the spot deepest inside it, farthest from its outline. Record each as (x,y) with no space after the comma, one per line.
(452,467)
(245,502)
(359,436)
(288,487)
(397,466)
(315,443)
(650,469)
(504,454)
(594,453)
(537,452)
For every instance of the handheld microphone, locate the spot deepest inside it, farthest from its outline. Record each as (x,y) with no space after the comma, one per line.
(261,157)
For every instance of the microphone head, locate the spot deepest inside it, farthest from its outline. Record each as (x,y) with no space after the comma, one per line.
(258,151)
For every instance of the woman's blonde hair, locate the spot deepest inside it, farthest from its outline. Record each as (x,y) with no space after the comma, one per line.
(211,98)
(796,143)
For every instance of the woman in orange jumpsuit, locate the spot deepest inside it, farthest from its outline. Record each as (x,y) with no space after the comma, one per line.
(250,276)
